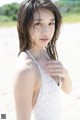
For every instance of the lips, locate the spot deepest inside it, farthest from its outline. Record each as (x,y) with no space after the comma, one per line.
(44,39)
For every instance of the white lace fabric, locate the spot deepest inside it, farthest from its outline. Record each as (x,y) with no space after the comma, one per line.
(47,106)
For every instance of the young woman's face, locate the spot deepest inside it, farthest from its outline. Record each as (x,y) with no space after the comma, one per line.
(43,27)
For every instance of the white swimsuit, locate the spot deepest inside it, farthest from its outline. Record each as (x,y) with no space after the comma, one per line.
(47,106)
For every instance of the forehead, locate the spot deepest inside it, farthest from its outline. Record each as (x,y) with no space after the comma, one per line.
(43,14)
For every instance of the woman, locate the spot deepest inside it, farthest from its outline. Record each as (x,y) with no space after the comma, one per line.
(39,74)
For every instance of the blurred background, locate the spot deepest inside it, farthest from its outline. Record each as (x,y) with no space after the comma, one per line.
(68,46)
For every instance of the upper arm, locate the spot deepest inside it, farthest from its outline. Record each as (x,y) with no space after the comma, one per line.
(23,91)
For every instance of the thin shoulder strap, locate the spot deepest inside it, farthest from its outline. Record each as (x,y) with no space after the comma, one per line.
(32,57)
(36,63)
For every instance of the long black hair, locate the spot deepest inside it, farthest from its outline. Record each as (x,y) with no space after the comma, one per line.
(25,19)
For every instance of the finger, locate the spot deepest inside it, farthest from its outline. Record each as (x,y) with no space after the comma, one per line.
(55,74)
(51,66)
(51,61)
(55,64)
(54,71)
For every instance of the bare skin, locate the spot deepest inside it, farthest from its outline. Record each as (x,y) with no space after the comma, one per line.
(28,83)
(28,78)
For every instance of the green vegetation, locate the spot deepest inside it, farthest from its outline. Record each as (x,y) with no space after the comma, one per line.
(69,6)
(8,24)
(8,12)
(71,18)
(70,10)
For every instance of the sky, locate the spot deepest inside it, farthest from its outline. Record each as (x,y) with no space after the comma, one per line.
(2,2)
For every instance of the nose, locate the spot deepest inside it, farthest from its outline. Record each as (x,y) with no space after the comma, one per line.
(45,30)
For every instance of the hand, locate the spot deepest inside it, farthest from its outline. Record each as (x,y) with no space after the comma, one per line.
(55,68)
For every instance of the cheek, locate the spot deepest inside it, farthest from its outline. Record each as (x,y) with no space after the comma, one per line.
(31,30)
(52,31)
(32,34)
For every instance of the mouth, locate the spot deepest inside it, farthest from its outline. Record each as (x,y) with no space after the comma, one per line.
(44,39)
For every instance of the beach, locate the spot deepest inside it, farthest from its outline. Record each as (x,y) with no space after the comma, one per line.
(68,46)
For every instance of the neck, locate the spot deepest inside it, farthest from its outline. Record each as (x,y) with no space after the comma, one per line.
(36,51)
(38,55)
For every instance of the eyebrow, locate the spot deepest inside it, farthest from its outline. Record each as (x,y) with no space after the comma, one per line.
(42,19)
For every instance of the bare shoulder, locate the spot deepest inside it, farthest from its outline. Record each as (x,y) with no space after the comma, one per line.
(23,61)
(25,73)
(24,85)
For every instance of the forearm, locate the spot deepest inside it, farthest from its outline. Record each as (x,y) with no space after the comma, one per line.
(66,84)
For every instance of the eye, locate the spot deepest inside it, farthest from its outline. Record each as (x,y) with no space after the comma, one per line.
(52,23)
(38,24)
